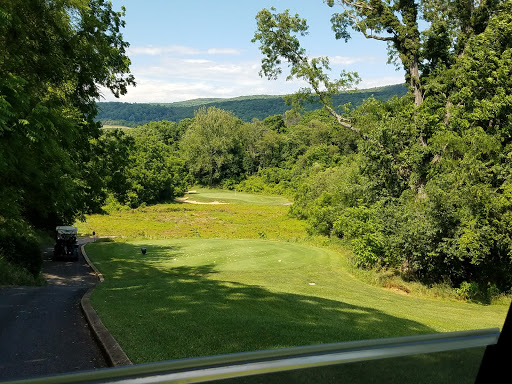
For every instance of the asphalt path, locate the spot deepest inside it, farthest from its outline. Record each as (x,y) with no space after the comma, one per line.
(42,329)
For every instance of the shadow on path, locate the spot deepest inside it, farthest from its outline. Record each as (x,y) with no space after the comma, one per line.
(42,329)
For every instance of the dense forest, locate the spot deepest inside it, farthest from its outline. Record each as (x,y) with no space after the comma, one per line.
(419,184)
(245,108)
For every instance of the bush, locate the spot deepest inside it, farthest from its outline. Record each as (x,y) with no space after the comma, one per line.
(113,205)
(472,291)
(230,184)
(364,228)
(467,291)
(12,274)
(322,215)
(270,181)
(19,246)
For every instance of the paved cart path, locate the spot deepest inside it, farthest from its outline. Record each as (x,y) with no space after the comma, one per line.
(42,329)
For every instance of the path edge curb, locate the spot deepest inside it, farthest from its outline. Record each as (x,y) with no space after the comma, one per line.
(115,355)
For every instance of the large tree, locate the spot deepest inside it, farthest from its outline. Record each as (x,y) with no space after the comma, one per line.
(450,24)
(155,173)
(431,194)
(56,57)
(395,22)
(277,34)
(211,143)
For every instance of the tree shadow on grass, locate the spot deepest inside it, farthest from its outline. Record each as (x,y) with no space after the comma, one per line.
(183,312)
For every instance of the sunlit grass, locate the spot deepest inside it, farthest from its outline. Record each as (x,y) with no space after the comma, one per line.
(111,127)
(195,297)
(181,220)
(234,197)
(241,276)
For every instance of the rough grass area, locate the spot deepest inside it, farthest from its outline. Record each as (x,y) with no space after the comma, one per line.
(122,127)
(180,220)
(198,297)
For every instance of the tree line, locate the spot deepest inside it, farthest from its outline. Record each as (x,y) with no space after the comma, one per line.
(245,108)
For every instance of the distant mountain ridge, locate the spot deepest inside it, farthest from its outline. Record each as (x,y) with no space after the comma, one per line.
(244,107)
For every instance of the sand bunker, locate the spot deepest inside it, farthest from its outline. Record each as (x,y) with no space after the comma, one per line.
(187,200)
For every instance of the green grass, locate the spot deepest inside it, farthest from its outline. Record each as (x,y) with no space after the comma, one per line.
(238,277)
(122,127)
(195,297)
(181,220)
(12,274)
(234,197)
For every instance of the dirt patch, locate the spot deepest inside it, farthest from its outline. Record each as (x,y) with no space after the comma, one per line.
(187,200)
(400,291)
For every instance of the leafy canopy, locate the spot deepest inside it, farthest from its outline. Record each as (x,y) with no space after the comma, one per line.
(56,57)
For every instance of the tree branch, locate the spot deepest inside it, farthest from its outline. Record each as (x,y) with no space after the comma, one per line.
(363,30)
(356,4)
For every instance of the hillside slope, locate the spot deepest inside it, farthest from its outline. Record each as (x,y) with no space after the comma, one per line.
(246,108)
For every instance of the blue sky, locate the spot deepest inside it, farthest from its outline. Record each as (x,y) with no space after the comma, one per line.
(182,50)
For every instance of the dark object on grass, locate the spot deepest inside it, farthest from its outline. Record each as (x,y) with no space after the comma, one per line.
(143,250)
(494,367)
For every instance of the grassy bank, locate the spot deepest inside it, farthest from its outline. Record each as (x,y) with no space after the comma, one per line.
(13,274)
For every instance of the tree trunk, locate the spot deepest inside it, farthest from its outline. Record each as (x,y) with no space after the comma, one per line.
(414,82)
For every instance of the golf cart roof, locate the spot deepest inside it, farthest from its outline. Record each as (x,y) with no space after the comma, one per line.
(66,230)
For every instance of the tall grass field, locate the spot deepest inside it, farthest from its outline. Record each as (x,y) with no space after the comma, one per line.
(236,277)
(242,216)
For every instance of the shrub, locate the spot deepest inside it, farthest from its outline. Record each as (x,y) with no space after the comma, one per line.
(467,291)
(19,246)
(113,205)
(12,274)
(271,181)
(363,227)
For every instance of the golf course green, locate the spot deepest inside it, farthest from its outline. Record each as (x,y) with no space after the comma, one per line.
(198,296)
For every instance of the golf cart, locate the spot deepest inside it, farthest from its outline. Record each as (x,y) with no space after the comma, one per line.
(66,246)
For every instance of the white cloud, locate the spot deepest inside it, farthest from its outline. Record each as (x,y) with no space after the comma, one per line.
(162,50)
(374,82)
(182,50)
(183,79)
(179,80)
(169,74)
(197,61)
(177,69)
(224,51)
(345,60)
(153,90)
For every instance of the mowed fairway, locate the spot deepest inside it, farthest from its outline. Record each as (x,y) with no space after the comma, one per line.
(203,195)
(195,297)
(203,295)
